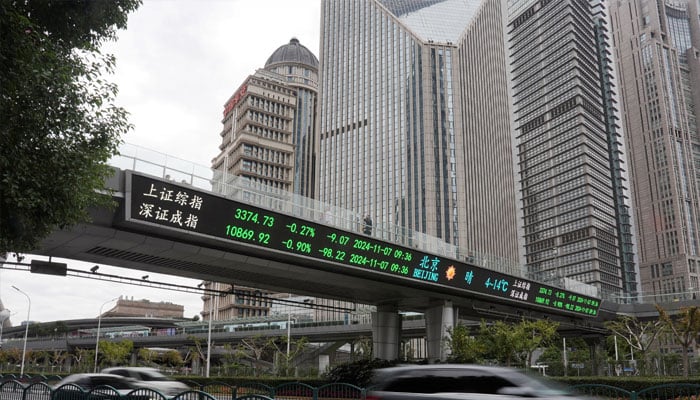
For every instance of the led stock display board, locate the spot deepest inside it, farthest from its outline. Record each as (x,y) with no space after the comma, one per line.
(186,209)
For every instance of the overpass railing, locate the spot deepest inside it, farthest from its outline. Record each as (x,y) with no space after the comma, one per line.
(244,190)
(241,189)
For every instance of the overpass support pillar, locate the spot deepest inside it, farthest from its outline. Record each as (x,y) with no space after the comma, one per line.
(323,363)
(438,319)
(386,332)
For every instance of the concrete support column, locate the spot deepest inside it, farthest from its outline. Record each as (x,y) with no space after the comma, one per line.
(323,363)
(438,319)
(196,366)
(386,332)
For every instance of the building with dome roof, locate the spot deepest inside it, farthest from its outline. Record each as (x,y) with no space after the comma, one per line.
(299,66)
(292,53)
(268,136)
(268,133)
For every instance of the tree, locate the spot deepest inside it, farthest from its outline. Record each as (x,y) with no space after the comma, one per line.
(296,347)
(536,334)
(552,359)
(463,346)
(14,356)
(685,329)
(147,355)
(195,352)
(172,358)
(57,358)
(115,353)
(58,123)
(36,357)
(83,358)
(253,348)
(638,335)
(502,342)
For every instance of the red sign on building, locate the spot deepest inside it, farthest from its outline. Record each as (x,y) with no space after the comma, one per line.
(235,99)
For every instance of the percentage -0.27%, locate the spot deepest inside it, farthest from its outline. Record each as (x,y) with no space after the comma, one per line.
(299,246)
(302,230)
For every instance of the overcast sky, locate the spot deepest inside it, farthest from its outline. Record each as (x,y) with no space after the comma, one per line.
(178,62)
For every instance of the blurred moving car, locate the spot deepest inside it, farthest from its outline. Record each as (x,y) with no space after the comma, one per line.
(88,382)
(149,378)
(459,381)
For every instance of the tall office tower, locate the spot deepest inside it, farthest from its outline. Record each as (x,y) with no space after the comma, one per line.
(300,67)
(257,133)
(570,156)
(658,61)
(414,120)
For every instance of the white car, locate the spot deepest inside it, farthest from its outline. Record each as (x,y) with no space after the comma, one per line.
(91,381)
(150,378)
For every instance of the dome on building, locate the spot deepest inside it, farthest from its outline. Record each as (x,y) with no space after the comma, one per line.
(294,52)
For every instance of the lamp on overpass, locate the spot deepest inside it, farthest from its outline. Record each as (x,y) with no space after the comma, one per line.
(99,322)
(26,329)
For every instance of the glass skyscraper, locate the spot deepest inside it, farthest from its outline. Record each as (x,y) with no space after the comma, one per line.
(656,42)
(414,120)
(570,157)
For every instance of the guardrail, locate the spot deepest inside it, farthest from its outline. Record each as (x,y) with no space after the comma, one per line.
(16,390)
(136,158)
(28,388)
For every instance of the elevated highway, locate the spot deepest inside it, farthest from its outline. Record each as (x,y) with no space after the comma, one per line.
(336,333)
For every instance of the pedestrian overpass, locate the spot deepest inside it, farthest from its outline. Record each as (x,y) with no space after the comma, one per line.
(173,220)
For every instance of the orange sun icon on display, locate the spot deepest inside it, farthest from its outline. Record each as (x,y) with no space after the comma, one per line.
(451,272)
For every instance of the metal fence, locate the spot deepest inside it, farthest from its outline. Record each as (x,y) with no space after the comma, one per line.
(16,390)
(671,391)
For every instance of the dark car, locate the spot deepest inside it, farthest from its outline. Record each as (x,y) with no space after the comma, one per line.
(458,381)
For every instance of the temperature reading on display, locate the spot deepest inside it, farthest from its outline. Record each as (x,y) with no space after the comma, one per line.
(497,284)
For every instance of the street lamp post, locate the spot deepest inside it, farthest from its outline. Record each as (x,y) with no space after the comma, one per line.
(99,323)
(26,329)
(211,317)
